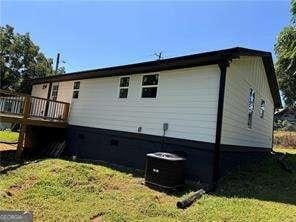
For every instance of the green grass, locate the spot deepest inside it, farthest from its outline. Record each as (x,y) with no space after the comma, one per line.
(8,136)
(60,190)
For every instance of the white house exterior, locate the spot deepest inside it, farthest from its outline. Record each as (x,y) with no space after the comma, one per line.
(218,107)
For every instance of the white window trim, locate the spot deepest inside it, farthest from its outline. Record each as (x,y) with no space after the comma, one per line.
(149,86)
(123,87)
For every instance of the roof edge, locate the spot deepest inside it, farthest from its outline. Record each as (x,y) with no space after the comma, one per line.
(187,61)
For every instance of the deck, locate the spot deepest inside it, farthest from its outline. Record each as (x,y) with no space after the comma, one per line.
(34,121)
(29,110)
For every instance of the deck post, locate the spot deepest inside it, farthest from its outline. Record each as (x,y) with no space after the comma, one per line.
(27,106)
(26,115)
(21,138)
(66,111)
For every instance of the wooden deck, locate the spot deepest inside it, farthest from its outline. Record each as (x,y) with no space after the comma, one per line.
(29,110)
(34,121)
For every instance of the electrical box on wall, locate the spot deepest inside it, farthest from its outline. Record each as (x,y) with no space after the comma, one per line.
(165,126)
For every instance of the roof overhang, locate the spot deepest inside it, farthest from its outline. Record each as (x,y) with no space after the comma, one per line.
(201,59)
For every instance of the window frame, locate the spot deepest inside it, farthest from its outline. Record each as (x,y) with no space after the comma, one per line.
(54,97)
(149,86)
(76,90)
(251,111)
(262,108)
(123,87)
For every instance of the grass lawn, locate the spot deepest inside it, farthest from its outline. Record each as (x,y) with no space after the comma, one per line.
(8,136)
(282,149)
(60,190)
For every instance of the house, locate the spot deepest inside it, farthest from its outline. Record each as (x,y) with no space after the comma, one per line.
(214,108)
(285,119)
(288,114)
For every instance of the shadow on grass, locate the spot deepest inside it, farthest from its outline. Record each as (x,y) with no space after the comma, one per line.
(266,181)
(7,158)
(139,174)
(9,162)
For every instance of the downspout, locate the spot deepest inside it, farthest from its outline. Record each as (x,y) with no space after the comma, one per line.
(272,139)
(216,164)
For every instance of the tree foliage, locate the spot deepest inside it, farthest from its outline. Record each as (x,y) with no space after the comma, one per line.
(20,61)
(285,50)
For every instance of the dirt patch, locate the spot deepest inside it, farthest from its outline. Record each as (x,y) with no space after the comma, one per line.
(97,218)
(4,147)
(16,188)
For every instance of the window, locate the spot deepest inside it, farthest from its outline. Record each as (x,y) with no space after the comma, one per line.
(262,108)
(149,86)
(251,107)
(54,92)
(76,88)
(123,87)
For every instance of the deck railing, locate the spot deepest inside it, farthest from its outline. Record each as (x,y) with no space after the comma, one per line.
(32,107)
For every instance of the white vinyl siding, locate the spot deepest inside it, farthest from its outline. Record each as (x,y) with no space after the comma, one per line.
(243,74)
(40,91)
(65,91)
(186,100)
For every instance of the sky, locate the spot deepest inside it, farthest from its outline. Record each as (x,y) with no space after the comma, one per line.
(95,34)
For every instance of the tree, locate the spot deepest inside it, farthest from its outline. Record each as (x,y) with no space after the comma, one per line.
(21,61)
(285,50)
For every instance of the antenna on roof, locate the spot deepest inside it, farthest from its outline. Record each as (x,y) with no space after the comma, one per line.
(159,55)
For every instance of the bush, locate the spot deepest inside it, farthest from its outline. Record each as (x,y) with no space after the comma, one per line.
(284,125)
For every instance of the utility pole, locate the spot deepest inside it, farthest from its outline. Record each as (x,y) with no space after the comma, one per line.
(57,63)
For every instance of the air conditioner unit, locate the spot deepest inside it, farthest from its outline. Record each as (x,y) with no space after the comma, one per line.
(165,170)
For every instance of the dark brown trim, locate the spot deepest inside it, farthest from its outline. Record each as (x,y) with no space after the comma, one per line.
(201,59)
(216,165)
(129,149)
(272,81)
(48,97)
(272,139)
(226,148)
